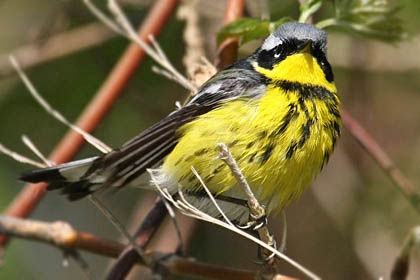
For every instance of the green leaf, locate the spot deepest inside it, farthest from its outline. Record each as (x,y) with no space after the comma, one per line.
(247,29)
(308,8)
(374,19)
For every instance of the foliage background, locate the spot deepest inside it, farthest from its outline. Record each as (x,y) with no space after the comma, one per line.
(349,226)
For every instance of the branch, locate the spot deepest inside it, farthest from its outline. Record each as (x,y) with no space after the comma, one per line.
(256,210)
(198,69)
(228,50)
(27,200)
(62,235)
(122,25)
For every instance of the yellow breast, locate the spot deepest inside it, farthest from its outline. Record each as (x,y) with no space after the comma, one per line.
(280,141)
(278,147)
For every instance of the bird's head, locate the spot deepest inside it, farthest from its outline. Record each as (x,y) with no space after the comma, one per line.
(295,52)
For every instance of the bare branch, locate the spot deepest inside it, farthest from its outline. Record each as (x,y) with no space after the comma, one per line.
(34,149)
(124,27)
(257,211)
(50,110)
(19,157)
(197,70)
(61,234)
(211,196)
(226,156)
(402,262)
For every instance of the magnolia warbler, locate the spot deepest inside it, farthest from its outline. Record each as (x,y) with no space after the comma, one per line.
(277,110)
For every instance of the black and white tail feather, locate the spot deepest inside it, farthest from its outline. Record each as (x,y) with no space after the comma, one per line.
(121,166)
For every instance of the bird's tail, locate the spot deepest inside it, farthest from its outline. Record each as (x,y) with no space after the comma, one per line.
(69,177)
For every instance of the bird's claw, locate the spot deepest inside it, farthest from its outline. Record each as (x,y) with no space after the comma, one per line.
(255,223)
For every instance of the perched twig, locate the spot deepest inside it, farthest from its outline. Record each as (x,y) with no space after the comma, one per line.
(62,235)
(57,46)
(382,159)
(228,50)
(256,210)
(27,200)
(402,262)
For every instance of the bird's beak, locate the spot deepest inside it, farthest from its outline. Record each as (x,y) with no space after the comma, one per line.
(305,47)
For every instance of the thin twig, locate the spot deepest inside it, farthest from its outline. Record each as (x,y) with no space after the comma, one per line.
(197,70)
(19,157)
(402,262)
(117,224)
(283,242)
(126,30)
(28,142)
(163,61)
(226,156)
(210,195)
(164,73)
(80,261)
(257,211)
(57,115)
(171,213)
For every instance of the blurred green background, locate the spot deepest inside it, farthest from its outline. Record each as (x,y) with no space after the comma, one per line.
(349,226)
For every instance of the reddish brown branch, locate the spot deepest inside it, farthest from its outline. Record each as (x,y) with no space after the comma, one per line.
(383,160)
(61,234)
(228,50)
(30,196)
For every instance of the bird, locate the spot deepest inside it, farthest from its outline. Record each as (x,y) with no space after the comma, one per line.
(277,111)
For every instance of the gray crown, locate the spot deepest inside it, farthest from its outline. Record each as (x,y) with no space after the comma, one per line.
(300,31)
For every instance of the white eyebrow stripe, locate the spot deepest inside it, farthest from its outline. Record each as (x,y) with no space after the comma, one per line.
(271,42)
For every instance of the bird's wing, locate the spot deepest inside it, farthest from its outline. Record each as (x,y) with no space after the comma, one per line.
(121,166)
(153,144)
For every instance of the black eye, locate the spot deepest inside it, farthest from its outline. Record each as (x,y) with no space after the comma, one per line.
(278,51)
